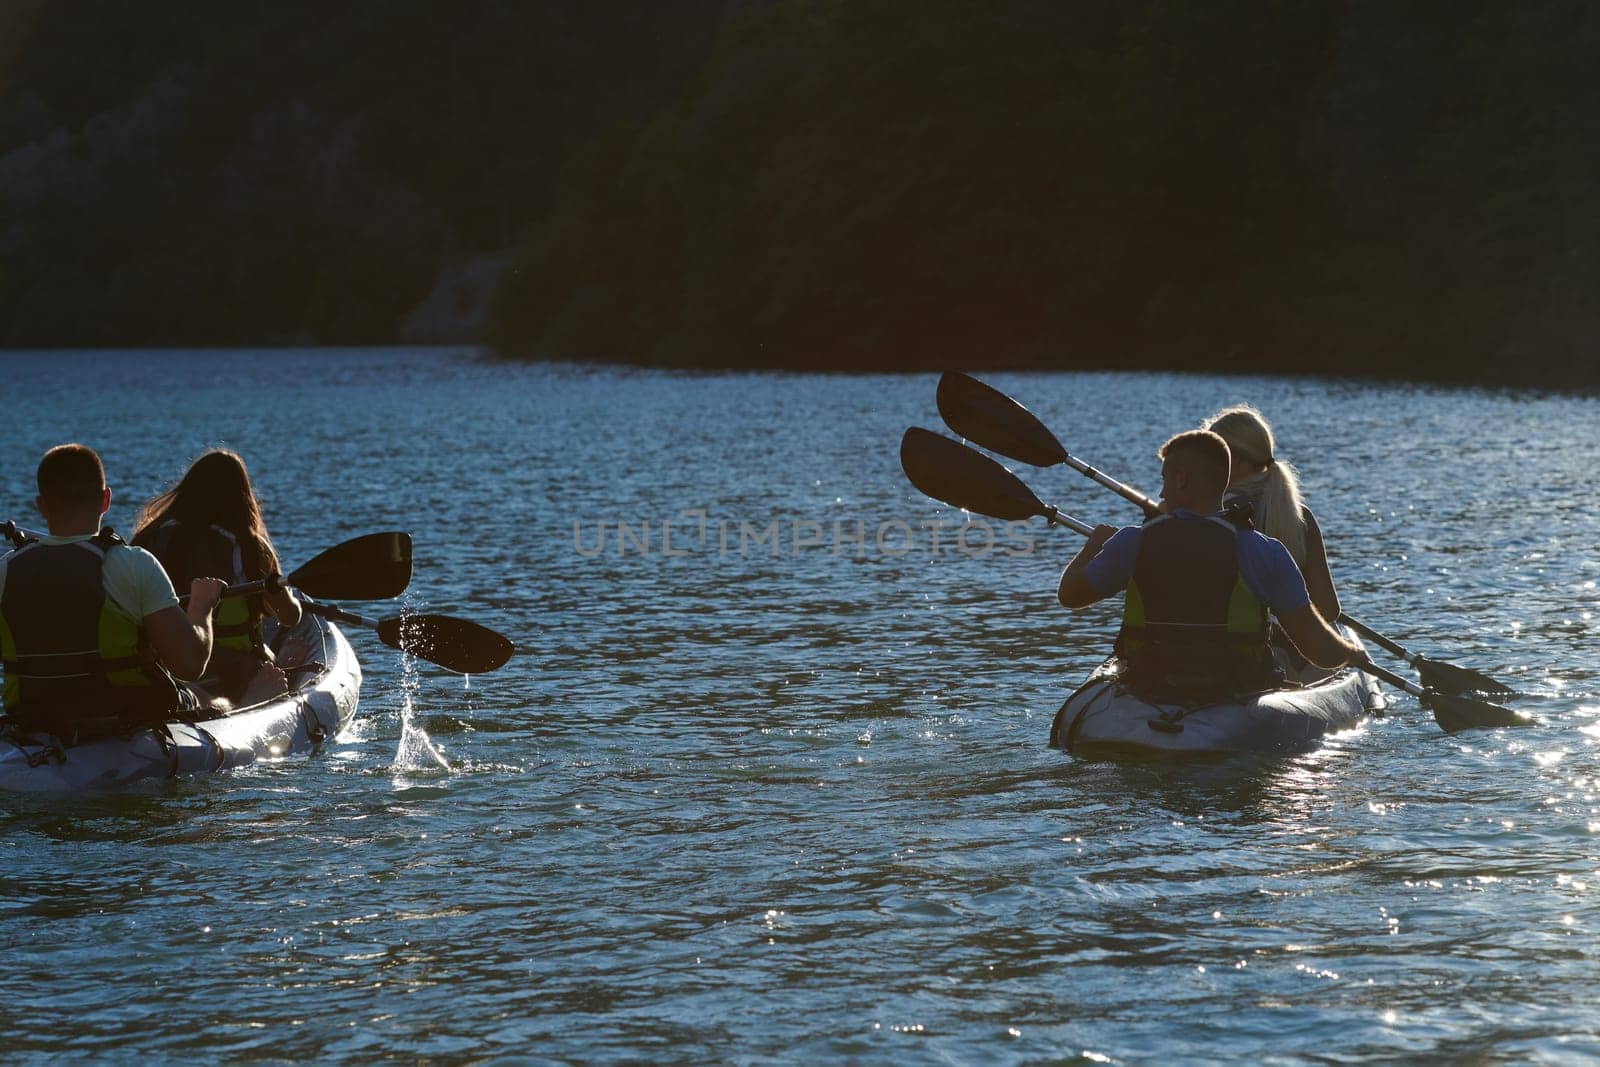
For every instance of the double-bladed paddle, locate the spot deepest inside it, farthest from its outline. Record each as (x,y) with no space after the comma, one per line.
(963,477)
(983,414)
(378,567)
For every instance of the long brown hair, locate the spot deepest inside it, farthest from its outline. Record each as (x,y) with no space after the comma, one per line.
(215,491)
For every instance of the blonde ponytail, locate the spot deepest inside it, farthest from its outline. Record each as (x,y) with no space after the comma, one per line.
(1275,491)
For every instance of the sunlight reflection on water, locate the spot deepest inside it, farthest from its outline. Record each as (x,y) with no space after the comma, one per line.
(796,804)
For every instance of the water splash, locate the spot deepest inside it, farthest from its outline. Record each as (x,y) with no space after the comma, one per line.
(416,751)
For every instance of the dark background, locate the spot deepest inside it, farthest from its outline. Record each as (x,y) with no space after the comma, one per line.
(1384,188)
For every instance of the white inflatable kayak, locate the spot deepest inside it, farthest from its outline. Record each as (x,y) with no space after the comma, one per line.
(325,679)
(1103,719)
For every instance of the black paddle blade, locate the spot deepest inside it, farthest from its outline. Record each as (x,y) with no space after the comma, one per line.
(987,416)
(1450,679)
(965,478)
(374,567)
(454,644)
(1454,713)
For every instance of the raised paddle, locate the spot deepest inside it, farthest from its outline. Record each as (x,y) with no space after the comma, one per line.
(983,414)
(989,417)
(371,567)
(963,477)
(966,478)
(455,644)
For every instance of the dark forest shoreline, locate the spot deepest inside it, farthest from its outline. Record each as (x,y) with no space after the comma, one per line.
(816,184)
(713,368)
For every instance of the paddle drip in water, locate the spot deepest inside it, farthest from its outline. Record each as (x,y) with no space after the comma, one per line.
(417,750)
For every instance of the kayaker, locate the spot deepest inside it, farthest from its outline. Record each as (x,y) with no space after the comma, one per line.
(92,631)
(1194,624)
(210,523)
(1272,488)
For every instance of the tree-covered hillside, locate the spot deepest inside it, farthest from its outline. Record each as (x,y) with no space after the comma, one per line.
(1370,186)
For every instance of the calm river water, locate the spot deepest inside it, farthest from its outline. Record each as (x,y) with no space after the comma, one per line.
(778,788)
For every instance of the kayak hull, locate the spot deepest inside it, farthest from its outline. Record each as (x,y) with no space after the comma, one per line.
(325,686)
(1104,720)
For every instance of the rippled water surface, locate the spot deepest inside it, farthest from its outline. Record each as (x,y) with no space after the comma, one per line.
(751,801)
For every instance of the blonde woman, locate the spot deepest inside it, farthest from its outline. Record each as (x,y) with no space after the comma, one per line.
(1272,487)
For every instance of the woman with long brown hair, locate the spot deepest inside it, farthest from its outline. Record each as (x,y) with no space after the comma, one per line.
(209,525)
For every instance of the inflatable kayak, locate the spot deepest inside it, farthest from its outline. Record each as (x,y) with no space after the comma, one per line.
(1104,719)
(324,680)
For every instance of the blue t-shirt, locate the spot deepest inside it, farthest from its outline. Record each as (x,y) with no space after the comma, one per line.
(1264,564)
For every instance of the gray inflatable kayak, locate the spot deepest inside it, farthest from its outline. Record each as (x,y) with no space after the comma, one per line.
(324,678)
(1104,720)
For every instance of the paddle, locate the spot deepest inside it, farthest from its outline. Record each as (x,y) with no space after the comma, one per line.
(961,476)
(371,567)
(989,417)
(1435,674)
(1451,711)
(457,645)
(966,478)
(983,414)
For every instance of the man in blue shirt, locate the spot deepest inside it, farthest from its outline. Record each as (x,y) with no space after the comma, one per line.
(1198,587)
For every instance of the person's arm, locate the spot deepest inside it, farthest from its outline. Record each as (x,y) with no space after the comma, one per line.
(1316,640)
(181,637)
(1273,576)
(1319,580)
(1075,590)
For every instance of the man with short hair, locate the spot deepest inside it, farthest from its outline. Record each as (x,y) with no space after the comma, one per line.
(90,627)
(1199,586)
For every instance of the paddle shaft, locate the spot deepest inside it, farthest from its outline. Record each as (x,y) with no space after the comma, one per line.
(1378,639)
(338,614)
(1061,518)
(1127,492)
(256,588)
(1398,681)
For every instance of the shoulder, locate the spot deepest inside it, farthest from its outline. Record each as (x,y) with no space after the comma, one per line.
(1126,534)
(135,565)
(131,557)
(1268,550)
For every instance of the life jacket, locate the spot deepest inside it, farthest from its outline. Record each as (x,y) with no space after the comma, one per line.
(188,552)
(1192,631)
(73,660)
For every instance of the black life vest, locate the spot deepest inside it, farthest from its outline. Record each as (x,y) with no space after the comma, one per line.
(1192,631)
(189,552)
(72,657)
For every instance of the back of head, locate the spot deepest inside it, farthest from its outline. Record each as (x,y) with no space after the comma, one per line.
(1202,455)
(1246,430)
(71,477)
(1274,490)
(214,491)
